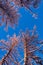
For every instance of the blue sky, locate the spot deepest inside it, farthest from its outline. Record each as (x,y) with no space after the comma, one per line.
(26,21)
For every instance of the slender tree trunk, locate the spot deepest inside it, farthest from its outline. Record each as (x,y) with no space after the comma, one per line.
(0,62)
(27,59)
(25,54)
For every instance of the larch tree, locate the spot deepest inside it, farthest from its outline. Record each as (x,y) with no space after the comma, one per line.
(21,49)
(28,44)
(9,13)
(9,10)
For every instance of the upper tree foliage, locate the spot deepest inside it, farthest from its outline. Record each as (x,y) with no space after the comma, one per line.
(28,44)
(21,49)
(9,10)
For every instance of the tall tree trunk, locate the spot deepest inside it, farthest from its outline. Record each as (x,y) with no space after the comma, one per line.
(25,54)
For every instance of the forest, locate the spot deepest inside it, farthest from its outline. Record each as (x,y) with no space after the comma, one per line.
(21,32)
